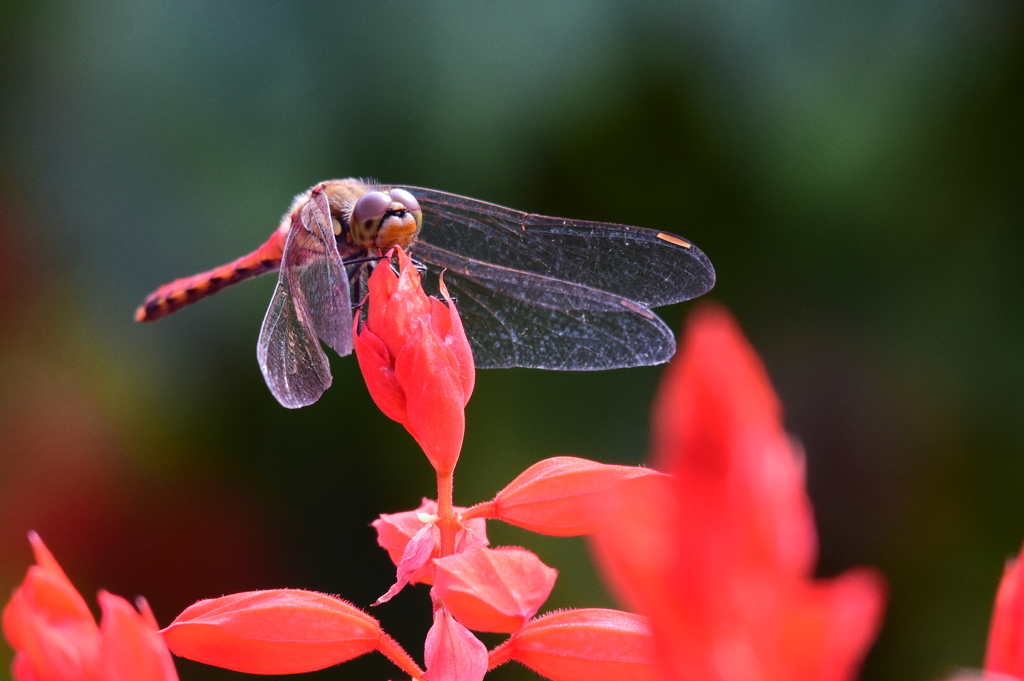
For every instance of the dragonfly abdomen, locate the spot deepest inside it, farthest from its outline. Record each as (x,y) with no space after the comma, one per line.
(181,292)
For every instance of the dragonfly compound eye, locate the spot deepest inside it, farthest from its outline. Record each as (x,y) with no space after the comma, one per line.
(366,217)
(406,199)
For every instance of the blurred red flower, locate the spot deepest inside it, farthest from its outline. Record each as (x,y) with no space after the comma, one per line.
(416,360)
(56,638)
(1005,653)
(720,555)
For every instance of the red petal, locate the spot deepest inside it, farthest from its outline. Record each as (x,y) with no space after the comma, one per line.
(440,318)
(21,669)
(416,555)
(405,309)
(47,591)
(132,649)
(494,590)
(284,631)
(51,600)
(47,562)
(718,428)
(826,625)
(455,340)
(585,645)
(1005,653)
(381,286)
(54,652)
(557,496)
(468,536)
(394,530)
(434,400)
(49,624)
(379,374)
(636,552)
(146,613)
(451,651)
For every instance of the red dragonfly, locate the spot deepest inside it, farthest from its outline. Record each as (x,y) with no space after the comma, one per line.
(533,291)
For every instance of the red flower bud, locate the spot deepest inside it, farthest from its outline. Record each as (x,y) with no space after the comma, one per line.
(283,631)
(493,589)
(416,360)
(394,530)
(557,496)
(583,645)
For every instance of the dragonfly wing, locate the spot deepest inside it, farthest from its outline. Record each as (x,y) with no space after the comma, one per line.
(294,366)
(313,266)
(506,331)
(537,289)
(647,266)
(311,302)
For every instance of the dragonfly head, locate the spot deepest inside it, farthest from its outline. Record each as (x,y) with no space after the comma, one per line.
(385,219)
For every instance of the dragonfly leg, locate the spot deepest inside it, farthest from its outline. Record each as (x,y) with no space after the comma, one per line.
(421,267)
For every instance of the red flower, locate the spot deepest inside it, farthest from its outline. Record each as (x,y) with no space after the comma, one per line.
(721,555)
(56,638)
(416,360)
(394,530)
(1005,653)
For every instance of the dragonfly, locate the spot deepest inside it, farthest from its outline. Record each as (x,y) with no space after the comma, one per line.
(532,291)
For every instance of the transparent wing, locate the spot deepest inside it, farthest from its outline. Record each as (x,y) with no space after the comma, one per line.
(311,302)
(646,266)
(552,293)
(294,366)
(508,331)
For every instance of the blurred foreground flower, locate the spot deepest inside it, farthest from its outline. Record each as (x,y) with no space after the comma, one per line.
(1005,653)
(56,638)
(416,360)
(720,556)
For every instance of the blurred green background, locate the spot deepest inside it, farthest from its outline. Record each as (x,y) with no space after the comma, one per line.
(855,171)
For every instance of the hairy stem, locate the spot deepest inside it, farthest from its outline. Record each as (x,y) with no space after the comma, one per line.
(390,648)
